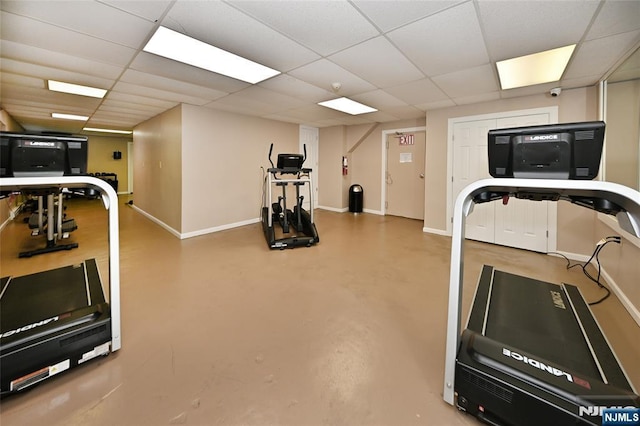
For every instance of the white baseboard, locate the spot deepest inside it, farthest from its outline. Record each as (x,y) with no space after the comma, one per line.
(633,311)
(613,286)
(436,231)
(378,212)
(219,228)
(12,215)
(156,220)
(334,209)
(198,232)
(571,256)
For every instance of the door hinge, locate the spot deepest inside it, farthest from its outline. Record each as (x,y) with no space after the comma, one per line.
(387,143)
(386,205)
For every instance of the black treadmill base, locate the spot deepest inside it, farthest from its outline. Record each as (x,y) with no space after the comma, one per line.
(51,322)
(533,354)
(48,249)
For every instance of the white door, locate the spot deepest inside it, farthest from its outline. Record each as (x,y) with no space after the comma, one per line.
(405,174)
(471,164)
(520,223)
(309,137)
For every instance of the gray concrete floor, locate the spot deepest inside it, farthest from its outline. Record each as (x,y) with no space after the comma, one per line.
(219,330)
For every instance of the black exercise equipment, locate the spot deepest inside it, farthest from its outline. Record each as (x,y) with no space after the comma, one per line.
(532,352)
(55,320)
(299,219)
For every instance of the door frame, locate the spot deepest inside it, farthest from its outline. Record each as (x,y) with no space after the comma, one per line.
(315,149)
(552,208)
(383,183)
(130,167)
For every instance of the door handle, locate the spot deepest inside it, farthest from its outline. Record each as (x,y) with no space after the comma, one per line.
(421,175)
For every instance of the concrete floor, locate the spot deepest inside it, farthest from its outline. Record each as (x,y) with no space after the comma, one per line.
(219,330)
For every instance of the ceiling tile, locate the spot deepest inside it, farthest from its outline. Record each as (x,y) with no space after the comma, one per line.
(378,62)
(469,82)
(615,17)
(323,26)
(517,28)
(386,15)
(379,99)
(150,10)
(149,92)
(51,59)
(86,17)
(140,100)
(225,27)
(436,105)
(38,34)
(79,104)
(473,99)
(170,85)
(289,85)
(153,64)
(47,73)
(417,92)
(600,55)
(323,73)
(444,42)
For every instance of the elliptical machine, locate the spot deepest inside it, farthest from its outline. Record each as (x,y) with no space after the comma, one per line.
(297,222)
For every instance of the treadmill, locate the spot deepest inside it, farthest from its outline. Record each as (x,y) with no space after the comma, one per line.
(532,352)
(54,320)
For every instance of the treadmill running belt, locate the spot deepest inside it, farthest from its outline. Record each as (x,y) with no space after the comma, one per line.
(536,316)
(48,293)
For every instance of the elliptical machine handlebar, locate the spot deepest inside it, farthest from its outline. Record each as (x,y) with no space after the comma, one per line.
(271,150)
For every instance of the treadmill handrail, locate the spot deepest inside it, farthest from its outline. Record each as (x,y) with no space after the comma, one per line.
(629,219)
(110,200)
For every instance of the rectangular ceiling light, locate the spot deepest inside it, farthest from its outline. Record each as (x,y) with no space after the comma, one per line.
(537,68)
(76,89)
(97,129)
(179,47)
(348,106)
(69,116)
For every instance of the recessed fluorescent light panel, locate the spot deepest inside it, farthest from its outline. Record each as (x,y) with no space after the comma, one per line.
(179,47)
(69,116)
(348,106)
(76,89)
(538,68)
(97,129)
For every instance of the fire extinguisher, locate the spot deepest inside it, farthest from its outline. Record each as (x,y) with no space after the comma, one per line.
(345,166)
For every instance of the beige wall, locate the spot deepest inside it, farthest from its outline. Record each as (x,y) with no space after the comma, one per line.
(222,156)
(157,168)
(623,132)
(101,160)
(8,124)
(332,147)
(363,148)
(620,261)
(573,105)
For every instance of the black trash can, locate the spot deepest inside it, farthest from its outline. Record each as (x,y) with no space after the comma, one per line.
(356,194)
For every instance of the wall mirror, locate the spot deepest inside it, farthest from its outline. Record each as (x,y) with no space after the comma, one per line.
(622,115)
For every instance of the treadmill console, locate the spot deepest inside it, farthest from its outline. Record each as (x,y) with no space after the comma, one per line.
(34,155)
(557,151)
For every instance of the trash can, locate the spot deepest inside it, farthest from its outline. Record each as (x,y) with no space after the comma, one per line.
(355,198)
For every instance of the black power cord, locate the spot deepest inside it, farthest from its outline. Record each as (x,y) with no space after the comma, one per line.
(596,253)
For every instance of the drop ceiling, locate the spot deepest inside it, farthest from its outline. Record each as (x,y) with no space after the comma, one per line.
(400,57)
